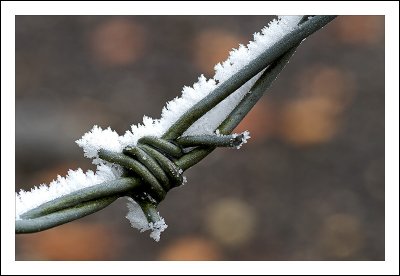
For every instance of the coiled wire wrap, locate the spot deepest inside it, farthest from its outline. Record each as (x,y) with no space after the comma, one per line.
(153,161)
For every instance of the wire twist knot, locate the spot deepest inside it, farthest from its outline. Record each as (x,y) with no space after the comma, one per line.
(153,160)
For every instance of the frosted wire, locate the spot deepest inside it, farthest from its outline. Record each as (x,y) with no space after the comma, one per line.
(98,138)
(73,181)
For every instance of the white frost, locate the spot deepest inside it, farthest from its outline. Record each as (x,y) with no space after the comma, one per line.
(73,181)
(246,136)
(139,221)
(92,141)
(108,139)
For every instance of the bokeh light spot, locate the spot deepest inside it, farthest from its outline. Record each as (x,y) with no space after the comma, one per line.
(191,248)
(231,221)
(213,45)
(117,42)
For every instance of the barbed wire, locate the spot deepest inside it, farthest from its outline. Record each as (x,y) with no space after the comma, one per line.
(155,165)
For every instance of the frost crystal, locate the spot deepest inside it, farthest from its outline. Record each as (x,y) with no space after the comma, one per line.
(139,221)
(97,138)
(108,139)
(73,181)
(246,136)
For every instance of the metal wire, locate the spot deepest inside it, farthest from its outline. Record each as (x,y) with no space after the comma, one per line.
(155,165)
(153,161)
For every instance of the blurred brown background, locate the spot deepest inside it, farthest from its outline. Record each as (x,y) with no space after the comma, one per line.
(308,186)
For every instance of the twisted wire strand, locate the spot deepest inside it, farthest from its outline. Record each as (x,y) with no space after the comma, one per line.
(155,165)
(153,161)
(306,27)
(150,170)
(130,185)
(44,222)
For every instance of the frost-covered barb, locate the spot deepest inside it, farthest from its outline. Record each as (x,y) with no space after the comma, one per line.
(149,160)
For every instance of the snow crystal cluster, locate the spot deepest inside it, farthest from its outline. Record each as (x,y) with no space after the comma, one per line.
(139,221)
(108,139)
(73,181)
(246,136)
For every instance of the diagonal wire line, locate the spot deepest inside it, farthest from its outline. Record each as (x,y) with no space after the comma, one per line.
(92,199)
